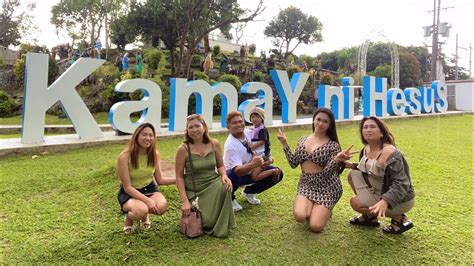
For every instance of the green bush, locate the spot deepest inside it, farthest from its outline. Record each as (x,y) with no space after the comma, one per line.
(165,92)
(19,71)
(292,70)
(86,91)
(201,75)
(196,60)
(259,76)
(153,58)
(326,79)
(232,79)
(109,95)
(8,106)
(216,50)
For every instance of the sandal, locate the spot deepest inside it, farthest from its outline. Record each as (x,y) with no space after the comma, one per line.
(127,229)
(364,220)
(145,225)
(398,227)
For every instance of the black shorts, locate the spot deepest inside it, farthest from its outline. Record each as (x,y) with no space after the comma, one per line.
(147,190)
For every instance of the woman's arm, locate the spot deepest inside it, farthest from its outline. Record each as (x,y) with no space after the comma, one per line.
(124,175)
(398,181)
(160,179)
(179,172)
(220,165)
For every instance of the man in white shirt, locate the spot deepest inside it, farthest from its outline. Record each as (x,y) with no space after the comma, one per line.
(239,162)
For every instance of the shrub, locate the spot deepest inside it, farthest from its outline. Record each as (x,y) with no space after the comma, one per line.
(165,92)
(259,76)
(19,71)
(201,75)
(8,106)
(153,58)
(232,79)
(196,60)
(216,50)
(292,70)
(326,79)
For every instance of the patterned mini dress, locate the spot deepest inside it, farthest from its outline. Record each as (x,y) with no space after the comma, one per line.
(323,188)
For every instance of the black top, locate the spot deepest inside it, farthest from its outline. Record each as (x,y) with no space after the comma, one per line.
(263,135)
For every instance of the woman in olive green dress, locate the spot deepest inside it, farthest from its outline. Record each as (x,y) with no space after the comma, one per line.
(213,188)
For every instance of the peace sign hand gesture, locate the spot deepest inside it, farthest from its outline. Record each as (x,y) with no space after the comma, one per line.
(282,137)
(345,155)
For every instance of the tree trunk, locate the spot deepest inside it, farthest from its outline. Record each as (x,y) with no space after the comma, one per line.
(106,37)
(172,62)
(189,56)
(207,48)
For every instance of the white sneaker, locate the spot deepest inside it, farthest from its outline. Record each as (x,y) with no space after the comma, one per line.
(236,206)
(251,198)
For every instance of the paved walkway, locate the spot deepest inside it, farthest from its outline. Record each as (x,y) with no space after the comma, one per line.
(71,141)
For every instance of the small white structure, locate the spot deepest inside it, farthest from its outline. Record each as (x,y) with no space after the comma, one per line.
(460,94)
(225,44)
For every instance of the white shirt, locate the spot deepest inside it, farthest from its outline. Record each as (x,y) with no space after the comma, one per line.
(235,153)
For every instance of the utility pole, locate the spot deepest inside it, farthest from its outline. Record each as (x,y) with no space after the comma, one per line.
(434,45)
(456,75)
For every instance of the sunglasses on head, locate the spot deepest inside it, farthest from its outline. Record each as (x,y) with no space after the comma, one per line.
(193,116)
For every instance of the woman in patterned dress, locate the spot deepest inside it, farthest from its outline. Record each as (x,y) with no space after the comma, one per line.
(321,160)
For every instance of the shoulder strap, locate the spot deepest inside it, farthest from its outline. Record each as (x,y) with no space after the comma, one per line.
(192,168)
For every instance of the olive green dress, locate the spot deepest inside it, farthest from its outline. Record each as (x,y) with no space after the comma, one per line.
(214,200)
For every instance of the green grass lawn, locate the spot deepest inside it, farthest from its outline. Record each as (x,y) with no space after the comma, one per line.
(62,208)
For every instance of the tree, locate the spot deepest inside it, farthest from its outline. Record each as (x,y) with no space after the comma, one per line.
(80,18)
(84,19)
(423,57)
(14,26)
(410,74)
(122,33)
(239,31)
(292,24)
(182,24)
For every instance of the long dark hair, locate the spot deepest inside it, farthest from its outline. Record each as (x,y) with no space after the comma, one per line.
(387,136)
(205,137)
(133,147)
(331,132)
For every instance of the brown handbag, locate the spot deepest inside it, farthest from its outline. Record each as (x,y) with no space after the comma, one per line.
(191,225)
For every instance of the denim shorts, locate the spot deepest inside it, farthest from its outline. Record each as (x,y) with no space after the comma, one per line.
(147,190)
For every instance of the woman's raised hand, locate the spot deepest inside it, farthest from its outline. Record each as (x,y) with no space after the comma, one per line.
(282,137)
(345,155)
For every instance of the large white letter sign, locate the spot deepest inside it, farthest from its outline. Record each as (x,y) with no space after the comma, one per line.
(413,105)
(331,97)
(180,90)
(289,93)
(396,101)
(39,98)
(441,101)
(375,96)
(150,104)
(264,97)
